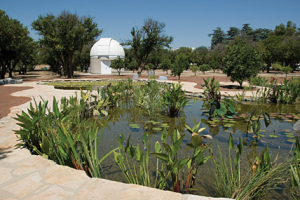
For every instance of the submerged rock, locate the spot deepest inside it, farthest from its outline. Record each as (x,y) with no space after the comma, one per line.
(296,126)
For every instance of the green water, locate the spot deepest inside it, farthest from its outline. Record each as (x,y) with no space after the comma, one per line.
(125,114)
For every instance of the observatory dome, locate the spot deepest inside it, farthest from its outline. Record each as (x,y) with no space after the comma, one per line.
(107,49)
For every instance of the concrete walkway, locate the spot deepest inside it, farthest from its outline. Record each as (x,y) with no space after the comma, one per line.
(26,176)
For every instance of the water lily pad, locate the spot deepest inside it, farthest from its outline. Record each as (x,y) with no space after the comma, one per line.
(216,120)
(290,136)
(157,129)
(157,122)
(286,130)
(288,120)
(291,140)
(274,136)
(261,135)
(213,125)
(134,126)
(263,131)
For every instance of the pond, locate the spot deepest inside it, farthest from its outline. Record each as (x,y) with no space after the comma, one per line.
(131,120)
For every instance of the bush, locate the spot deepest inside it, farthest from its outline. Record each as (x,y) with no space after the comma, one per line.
(204,68)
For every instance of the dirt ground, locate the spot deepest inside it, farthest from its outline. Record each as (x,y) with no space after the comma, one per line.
(7,101)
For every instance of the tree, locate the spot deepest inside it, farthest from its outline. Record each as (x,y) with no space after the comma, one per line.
(165,65)
(242,62)
(180,64)
(194,68)
(269,51)
(218,36)
(16,45)
(146,39)
(232,32)
(133,65)
(203,68)
(214,65)
(118,64)
(66,34)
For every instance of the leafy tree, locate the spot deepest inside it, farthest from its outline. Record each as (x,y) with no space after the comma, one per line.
(242,62)
(165,65)
(214,65)
(203,68)
(146,39)
(232,32)
(247,29)
(199,56)
(261,34)
(289,51)
(16,45)
(187,52)
(218,36)
(118,64)
(133,65)
(65,35)
(269,51)
(156,57)
(180,64)
(217,53)
(194,68)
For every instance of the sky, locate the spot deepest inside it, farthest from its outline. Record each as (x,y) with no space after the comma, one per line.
(189,22)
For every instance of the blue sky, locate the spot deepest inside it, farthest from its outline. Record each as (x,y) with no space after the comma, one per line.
(189,21)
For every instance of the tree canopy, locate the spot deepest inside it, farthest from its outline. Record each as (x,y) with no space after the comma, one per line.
(242,62)
(16,46)
(147,39)
(65,34)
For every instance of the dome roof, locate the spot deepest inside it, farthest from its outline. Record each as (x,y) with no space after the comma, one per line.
(107,47)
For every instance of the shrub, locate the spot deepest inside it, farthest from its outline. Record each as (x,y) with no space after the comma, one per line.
(203,68)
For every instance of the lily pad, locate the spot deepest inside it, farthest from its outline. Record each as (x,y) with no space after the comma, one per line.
(157,129)
(274,136)
(134,126)
(291,140)
(290,136)
(286,130)
(263,131)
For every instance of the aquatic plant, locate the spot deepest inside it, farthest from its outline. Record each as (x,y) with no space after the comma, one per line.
(266,175)
(62,135)
(295,172)
(212,90)
(174,99)
(134,163)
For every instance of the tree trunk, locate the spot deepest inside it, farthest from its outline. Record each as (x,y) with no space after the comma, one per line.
(2,73)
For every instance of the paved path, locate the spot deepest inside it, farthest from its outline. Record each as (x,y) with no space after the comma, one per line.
(26,176)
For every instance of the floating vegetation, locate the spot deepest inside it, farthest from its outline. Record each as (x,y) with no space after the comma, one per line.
(134,126)
(273,136)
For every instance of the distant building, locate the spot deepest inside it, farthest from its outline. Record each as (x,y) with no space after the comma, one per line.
(103,53)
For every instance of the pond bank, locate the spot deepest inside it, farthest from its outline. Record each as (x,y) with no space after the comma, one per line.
(26,176)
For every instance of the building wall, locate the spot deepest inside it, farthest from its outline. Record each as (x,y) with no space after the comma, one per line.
(95,63)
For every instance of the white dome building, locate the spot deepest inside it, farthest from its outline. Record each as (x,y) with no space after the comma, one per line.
(102,53)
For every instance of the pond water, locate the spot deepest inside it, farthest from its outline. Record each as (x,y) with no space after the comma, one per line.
(125,114)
